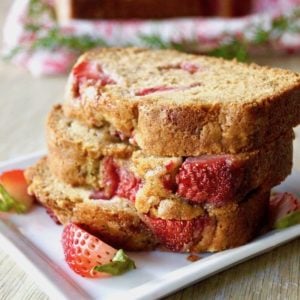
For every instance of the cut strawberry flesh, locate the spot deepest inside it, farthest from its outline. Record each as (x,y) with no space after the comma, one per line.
(169,183)
(111,177)
(118,181)
(100,195)
(155,89)
(110,180)
(128,185)
(92,72)
(213,179)
(178,235)
(190,67)
(185,66)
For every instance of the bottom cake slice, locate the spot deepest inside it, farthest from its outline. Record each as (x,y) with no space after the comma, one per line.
(219,228)
(117,222)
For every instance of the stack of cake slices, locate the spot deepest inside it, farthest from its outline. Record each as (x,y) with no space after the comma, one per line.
(160,148)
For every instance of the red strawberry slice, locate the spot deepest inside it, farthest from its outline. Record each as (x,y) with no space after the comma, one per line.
(190,67)
(284,210)
(110,179)
(128,185)
(169,183)
(177,235)
(13,192)
(187,66)
(213,179)
(117,181)
(89,257)
(154,89)
(92,72)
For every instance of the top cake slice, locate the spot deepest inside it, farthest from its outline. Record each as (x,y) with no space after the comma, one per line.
(171,103)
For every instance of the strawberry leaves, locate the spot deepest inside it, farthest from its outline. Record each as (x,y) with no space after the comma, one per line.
(284,210)
(9,203)
(120,264)
(291,219)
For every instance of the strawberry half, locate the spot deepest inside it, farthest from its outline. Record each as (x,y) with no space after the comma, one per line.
(13,192)
(89,257)
(284,210)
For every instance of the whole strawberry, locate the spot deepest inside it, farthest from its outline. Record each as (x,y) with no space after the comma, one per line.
(89,257)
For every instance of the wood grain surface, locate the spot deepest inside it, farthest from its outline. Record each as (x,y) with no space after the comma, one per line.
(24,104)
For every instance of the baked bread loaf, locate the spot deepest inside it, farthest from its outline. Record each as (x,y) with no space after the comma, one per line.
(175,104)
(91,157)
(148,9)
(115,221)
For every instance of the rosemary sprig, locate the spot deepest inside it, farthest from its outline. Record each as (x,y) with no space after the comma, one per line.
(155,41)
(234,49)
(37,7)
(228,48)
(55,39)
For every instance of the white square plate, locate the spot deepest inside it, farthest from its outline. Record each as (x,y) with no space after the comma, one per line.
(33,240)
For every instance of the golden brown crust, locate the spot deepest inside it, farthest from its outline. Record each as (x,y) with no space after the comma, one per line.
(115,221)
(235,224)
(253,106)
(195,130)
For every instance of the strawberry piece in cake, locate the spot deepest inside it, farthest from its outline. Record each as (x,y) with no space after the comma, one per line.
(177,235)
(89,72)
(214,178)
(128,185)
(117,181)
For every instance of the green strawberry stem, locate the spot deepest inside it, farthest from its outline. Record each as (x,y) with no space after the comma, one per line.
(120,264)
(7,202)
(292,218)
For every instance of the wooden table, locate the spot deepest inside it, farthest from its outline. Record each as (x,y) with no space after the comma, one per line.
(24,104)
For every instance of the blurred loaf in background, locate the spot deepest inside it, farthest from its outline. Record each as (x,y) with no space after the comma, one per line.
(149,9)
